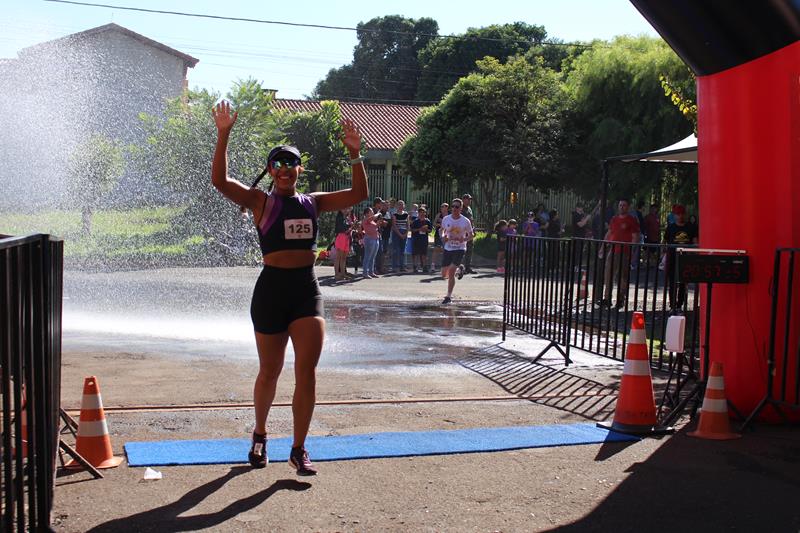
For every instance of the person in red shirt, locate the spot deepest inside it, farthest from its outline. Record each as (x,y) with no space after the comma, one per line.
(624,227)
(652,233)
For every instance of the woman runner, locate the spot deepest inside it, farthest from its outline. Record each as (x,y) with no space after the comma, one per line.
(286,301)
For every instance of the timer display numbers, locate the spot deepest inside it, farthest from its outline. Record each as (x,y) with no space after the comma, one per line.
(693,267)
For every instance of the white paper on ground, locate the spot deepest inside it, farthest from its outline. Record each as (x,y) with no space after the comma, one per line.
(149,473)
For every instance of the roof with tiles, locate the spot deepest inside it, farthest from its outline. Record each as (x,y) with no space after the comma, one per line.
(383,126)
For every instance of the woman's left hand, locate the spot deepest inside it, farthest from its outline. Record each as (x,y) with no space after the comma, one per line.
(351,135)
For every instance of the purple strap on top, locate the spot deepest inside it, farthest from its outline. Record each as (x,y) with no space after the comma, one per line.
(274,205)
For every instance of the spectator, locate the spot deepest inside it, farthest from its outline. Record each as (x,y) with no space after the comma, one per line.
(542,217)
(500,230)
(694,225)
(553,231)
(531,227)
(554,225)
(469,215)
(622,228)
(678,234)
(580,222)
(652,233)
(386,233)
(652,226)
(399,236)
(640,217)
(420,229)
(436,256)
(377,205)
(372,240)
(342,243)
(512,231)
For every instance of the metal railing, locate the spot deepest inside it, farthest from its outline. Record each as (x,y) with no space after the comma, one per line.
(580,293)
(31,289)
(783,358)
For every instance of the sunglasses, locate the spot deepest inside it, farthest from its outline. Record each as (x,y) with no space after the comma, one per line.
(278,164)
(456,206)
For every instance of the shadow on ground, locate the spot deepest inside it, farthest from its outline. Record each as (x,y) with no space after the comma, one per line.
(167,517)
(545,385)
(750,484)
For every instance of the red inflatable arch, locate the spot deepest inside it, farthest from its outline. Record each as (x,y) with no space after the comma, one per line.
(746,56)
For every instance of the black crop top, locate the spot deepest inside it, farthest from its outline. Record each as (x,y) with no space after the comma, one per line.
(288,223)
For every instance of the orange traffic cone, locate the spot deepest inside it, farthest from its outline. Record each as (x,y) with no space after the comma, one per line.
(714,423)
(583,288)
(635,413)
(93,442)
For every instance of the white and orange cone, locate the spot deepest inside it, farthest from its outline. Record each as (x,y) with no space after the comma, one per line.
(714,423)
(635,412)
(93,442)
(583,288)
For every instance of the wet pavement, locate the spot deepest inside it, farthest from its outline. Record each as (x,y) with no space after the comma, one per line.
(202,313)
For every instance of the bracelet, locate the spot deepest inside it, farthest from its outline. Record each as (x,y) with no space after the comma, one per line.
(357,160)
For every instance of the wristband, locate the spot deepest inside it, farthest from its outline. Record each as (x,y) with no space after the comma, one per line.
(357,160)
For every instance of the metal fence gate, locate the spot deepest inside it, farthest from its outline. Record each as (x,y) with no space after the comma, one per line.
(783,358)
(30,378)
(581,293)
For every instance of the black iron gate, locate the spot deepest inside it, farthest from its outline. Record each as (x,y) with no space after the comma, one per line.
(30,378)
(581,293)
(783,359)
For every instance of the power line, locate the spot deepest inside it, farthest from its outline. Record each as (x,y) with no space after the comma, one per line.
(317,26)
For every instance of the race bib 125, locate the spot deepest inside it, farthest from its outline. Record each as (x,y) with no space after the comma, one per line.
(298,228)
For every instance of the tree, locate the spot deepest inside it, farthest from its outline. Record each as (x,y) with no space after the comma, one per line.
(385,65)
(619,107)
(502,123)
(318,134)
(94,167)
(446,59)
(180,146)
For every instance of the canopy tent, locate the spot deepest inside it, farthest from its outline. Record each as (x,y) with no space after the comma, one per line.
(684,151)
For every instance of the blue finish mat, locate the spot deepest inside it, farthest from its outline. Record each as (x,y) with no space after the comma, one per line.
(372,445)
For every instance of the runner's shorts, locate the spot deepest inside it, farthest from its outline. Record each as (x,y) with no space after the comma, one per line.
(282,295)
(452,257)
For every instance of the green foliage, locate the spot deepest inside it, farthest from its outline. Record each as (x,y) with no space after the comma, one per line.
(676,94)
(93,169)
(485,245)
(180,147)
(445,60)
(120,238)
(502,123)
(619,108)
(318,134)
(385,64)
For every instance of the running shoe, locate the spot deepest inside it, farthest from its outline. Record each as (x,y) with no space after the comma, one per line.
(258,451)
(298,458)
(446,300)
(460,271)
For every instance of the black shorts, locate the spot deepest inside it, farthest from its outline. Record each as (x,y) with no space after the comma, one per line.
(282,295)
(452,257)
(419,246)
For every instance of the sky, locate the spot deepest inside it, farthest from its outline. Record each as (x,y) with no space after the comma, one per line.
(293,59)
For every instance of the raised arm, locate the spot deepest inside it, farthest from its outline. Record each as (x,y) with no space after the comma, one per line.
(333,201)
(237,192)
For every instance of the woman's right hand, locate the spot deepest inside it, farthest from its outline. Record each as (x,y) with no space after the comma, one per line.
(224,116)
